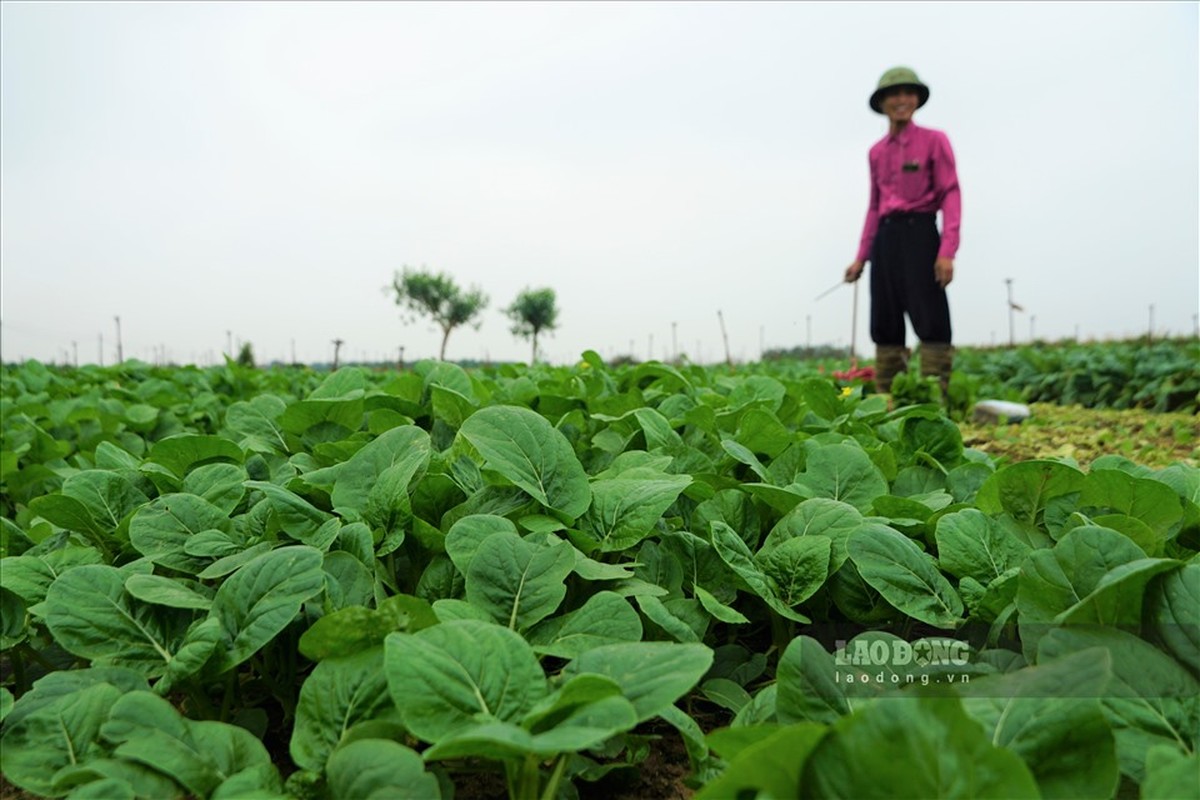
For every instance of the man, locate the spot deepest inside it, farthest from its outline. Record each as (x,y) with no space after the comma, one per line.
(912,178)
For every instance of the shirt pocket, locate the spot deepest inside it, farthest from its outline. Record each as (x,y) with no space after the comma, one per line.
(914,178)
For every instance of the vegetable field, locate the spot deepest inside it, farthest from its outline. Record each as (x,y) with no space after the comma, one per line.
(1159,376)
(533,582)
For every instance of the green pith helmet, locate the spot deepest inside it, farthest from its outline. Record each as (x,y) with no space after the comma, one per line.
(898,76)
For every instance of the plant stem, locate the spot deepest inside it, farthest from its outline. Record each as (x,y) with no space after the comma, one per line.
(230,691)
(36,656)
(551,789)
(200,700)
(99,543)
(18,666)
(782,631)
(286,663)
(527,779)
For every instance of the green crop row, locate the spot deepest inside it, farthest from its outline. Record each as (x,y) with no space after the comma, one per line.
(1162,376)
(232,583)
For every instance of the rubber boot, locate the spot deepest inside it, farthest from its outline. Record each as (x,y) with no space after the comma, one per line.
(890,361)
(937,359)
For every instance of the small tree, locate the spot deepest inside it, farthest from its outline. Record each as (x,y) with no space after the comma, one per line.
(532,312)
(246,355)
(438,297)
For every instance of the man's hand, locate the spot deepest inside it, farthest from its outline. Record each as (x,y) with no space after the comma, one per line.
(943,271)
(854,271)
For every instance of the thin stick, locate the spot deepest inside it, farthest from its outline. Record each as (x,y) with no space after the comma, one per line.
(830,290)
(725,337)
(854,323)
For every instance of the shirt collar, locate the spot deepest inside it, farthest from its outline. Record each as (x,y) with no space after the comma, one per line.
(905,135)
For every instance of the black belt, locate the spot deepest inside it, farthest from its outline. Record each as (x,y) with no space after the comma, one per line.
(909,217)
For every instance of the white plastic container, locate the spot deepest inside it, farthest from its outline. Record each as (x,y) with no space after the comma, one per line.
(997,410)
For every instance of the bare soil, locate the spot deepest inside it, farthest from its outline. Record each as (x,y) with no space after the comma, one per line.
(660,777)
(10,792)
(1148,438)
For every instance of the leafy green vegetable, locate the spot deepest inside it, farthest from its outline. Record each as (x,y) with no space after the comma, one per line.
(906,577)
(928,746)
(1050,715)
(339,693)
(442,677)
(523,447)
(377,769)
(516,582)
(533,570)
(262,598)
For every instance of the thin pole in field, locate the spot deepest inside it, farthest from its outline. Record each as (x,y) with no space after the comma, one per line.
(854,323)
(674,344)
(120,349)
(1150,332)
(100,347)
(725,338)
(1012,336)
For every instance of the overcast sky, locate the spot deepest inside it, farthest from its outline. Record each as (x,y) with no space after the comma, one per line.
(216,172)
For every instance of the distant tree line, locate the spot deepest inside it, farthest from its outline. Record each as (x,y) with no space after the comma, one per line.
(820,352)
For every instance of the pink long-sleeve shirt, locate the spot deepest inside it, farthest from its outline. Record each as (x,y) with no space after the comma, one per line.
(913,171)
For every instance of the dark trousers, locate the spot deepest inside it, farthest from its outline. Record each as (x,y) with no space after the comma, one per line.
(903,281)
